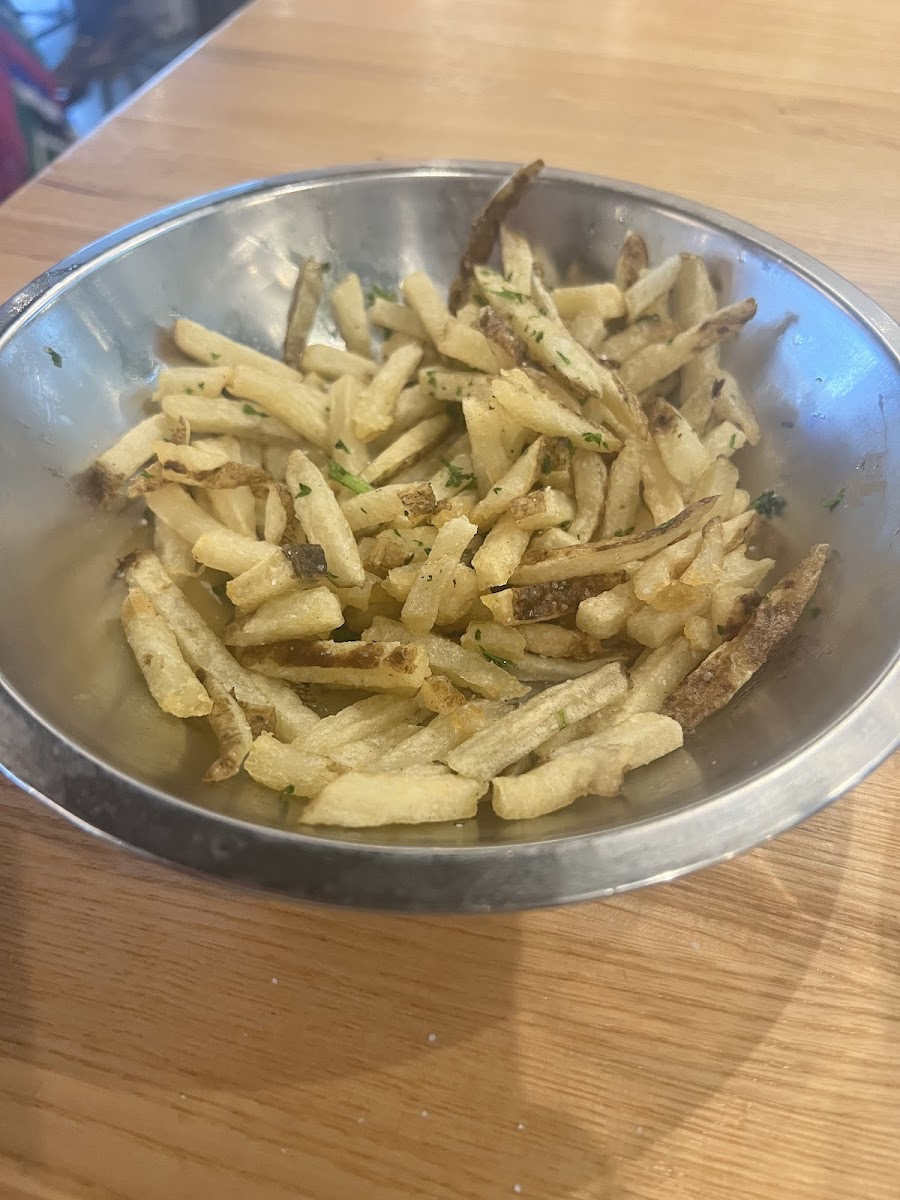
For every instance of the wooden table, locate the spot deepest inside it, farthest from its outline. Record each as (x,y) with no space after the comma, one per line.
(733,1036)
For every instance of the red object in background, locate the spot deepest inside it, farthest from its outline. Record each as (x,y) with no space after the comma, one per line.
(33,127)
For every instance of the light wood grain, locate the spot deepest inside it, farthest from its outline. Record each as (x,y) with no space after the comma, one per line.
(733,1036)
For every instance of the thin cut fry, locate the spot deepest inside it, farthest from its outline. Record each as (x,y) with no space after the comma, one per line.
(172,683)
(323,521)
(349,307)
(303,309)
(297,406)
(232,730)
(357,800)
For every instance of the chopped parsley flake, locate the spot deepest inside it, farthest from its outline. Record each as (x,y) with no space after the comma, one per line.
(213,355)
(834,502)
(253,412)
(624,532)
(340,446)
(598,438)
(190,391)
(477,635)
(495,659)
(509,294)
(376,292)
(348,479)
(560,355)
(331,575)
(539,336)
(497,491)
(55,356)
(303,490)
(201,384)
(732,440)
(561,719)
(456,477)
(769,503)
(720,630)
(288,791)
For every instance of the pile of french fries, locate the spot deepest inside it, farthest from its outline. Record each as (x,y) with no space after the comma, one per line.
(514,525)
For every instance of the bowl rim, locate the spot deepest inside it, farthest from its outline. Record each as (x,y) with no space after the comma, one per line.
(497,877)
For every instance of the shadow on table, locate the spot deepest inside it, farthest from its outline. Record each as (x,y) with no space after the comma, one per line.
(275,1032)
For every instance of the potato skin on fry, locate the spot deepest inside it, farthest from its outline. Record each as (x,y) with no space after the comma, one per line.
(731,665)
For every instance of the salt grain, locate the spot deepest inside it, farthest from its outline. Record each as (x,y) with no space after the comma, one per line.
(424,1112)
(517,1188)
(274,980)
(432,1037)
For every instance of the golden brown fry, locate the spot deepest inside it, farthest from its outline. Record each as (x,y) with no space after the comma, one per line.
(633,259)
(323,521)
(232,730)
(387,666)
(485,229)
(724,672)
(172,683)
(304,307)
(360,800)
(308,613)
(299,407)
(594,558)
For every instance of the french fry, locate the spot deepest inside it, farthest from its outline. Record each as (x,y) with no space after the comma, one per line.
(285,568)
(398,318)
(181,511)
(456,474)
(215,350)
(358,800)
(192,381)
(551,539)
(362,753)
(172,683)
(463,667)
(604,615)
(349,307)
(374,411)
(632,261)
(413,406)
(547,601)
(331,363)
(724,440)
(313,613)
(719,479)
(380,667)
(232,418)
(288,768)
(589,478)
(276,517)
(409,502)
(452,386)
(554,641)
(603,300)
(452,338)
(550,344)
(174,552)
(323,521)
(655,362)
(544,789)
(508,348)
(731,607)
(683,453)
(492,457)
(648,330)
(500,641)
(634,741)
(696,301)
(444,733)
(661,493)
(536,668)
(623,492)
(232,730)
(407,449)
(542,509)
(203,650)
(589,331)
(234,507)
(650,286)
(487,753)
(516,482)
(518,261)
(304,308)
(295,405)
(420,609)
(439,695)
(730,404)
(515,393)
(129,454)
(360,721)
(196,466)
(724,672)
(348,450)
(657,676)
(593,558)
(224,550)
(500,553)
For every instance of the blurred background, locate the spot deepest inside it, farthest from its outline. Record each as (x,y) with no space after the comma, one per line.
(64,64)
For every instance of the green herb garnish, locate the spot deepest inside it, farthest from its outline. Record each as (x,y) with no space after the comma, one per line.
(55,356)
(834,502)
(509,294)
(213,355)
(769,503)
(377,292)
(720,630)
(303,490)
(624,532)
(495,658)
(253,412)
(331,575)
(457,478)
(477,635)
(560,355)
(349,480)
(598,438)
(539,336)
(561,720)
(190,391)
(340,446)
(732,440)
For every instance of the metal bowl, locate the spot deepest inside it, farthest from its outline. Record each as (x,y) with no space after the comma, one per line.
(76,726)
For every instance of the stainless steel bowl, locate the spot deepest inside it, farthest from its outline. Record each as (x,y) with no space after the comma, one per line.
(76,727)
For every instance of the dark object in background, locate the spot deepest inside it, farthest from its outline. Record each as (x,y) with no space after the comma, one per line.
(33,126)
